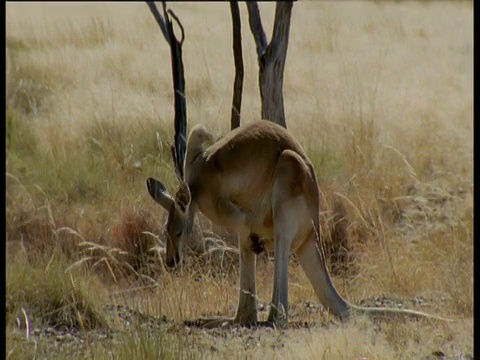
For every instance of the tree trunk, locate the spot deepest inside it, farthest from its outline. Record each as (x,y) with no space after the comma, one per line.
(271,59)
(237,54)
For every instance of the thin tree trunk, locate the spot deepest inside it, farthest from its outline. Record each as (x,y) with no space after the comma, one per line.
(237,54)
(180,122)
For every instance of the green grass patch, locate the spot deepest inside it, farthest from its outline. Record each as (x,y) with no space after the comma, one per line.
(105,158)
(20,134)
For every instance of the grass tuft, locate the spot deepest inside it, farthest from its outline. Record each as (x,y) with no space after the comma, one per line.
(51,297)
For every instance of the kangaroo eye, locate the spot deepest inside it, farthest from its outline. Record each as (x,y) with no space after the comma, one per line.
(178,234)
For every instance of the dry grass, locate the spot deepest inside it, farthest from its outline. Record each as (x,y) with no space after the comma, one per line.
(380,94)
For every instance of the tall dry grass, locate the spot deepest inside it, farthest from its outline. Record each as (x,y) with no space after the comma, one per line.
(380,94)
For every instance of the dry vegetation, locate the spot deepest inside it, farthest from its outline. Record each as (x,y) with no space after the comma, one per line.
(380,94)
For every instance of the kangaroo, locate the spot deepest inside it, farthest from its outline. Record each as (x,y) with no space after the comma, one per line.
(257,181)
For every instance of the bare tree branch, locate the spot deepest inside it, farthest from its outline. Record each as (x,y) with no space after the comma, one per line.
(238,59)
(179,24)
(256,27)
(180,122)
(281,30)
(159,20)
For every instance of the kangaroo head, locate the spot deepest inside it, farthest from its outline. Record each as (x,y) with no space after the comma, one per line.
(179,222)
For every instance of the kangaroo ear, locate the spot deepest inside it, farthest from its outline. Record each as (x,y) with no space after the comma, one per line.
(159,193)
(183,196)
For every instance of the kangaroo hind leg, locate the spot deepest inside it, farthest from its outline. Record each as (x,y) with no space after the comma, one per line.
(247,304)
(287,196)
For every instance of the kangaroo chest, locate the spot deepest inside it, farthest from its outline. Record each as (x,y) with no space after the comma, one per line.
(237,217)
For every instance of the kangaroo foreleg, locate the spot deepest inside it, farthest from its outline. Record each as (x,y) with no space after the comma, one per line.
(232,216)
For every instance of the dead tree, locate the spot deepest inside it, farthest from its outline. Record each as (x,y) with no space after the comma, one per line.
(237,54)
(180,138)
(271,58)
